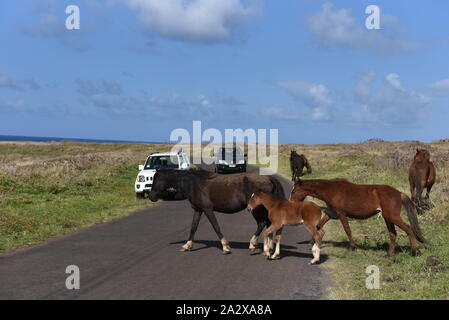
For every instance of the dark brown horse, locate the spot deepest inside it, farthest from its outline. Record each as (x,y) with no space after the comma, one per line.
(208,192)
(284,212)
(421,175)
(297,164)
(361,201)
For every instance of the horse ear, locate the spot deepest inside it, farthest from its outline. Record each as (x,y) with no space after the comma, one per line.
(427,155)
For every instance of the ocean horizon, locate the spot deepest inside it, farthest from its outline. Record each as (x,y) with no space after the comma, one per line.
(59,139)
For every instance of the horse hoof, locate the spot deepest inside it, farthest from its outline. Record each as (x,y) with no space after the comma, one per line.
(226,251)
(352,248)
(185,249)
(274,258)
(394,259)
(416,252)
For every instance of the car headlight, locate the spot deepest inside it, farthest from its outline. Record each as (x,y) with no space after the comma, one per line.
(141,179)
(222,161)
(241,162)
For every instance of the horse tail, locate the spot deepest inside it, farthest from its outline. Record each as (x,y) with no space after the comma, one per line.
(307,164)
(278,189)
(412,217)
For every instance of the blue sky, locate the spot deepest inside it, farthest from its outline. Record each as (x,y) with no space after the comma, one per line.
(137,69)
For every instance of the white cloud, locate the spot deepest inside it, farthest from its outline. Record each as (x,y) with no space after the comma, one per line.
(316,97)
(18,84)
(203,21)
(393,81)
(279,113)
(204,102)
(338,28)
(389,104)
(15,105)
(440,88)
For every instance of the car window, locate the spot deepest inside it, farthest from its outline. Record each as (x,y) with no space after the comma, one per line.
(229,154)
(156,162)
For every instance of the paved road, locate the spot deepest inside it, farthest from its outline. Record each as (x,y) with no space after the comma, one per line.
(137,257)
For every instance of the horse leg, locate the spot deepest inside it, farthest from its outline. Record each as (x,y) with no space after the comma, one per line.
(260,214)
(393,236)
(323,221)
(255,238)
(401,224)
(412,187)
(277,252)
(427,197)
(295,175)
(267,244)
(320,226)
(345,223)
(196,220)
(317,237)
(213,221)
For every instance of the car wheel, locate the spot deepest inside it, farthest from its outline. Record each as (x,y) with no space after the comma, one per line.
(140,195)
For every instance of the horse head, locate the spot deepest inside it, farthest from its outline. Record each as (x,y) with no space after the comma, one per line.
(254,201)
(164,182)
(422,155)
(298,192)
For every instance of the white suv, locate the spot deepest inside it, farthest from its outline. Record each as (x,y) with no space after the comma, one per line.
(174,160)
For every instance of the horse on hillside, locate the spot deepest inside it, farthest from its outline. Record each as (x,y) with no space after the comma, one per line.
(362,201)
(297,164)
(284,212)
(208,192)
(421,175)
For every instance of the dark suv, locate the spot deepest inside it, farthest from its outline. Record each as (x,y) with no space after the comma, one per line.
(230,159)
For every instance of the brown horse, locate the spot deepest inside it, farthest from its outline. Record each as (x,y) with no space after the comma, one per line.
(297,164)
(208,192)
(284,212)
(361,201)
(421,174)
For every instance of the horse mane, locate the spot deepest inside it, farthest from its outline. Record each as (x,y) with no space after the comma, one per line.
(194,173)
(300,182)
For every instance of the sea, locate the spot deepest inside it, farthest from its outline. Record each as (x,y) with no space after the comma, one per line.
(59,139)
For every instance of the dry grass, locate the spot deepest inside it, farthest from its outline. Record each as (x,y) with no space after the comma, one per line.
(48,189)
(382,163)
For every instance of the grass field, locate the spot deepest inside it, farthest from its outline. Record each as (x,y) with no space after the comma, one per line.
(48,189)
(382,163)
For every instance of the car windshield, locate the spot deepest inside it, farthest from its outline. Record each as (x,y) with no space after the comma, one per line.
(156,162)
(228,154)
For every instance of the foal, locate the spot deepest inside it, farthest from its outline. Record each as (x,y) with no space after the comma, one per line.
(284,212)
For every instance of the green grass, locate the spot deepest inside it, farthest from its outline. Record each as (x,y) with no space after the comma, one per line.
(49,189)
(382,163)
